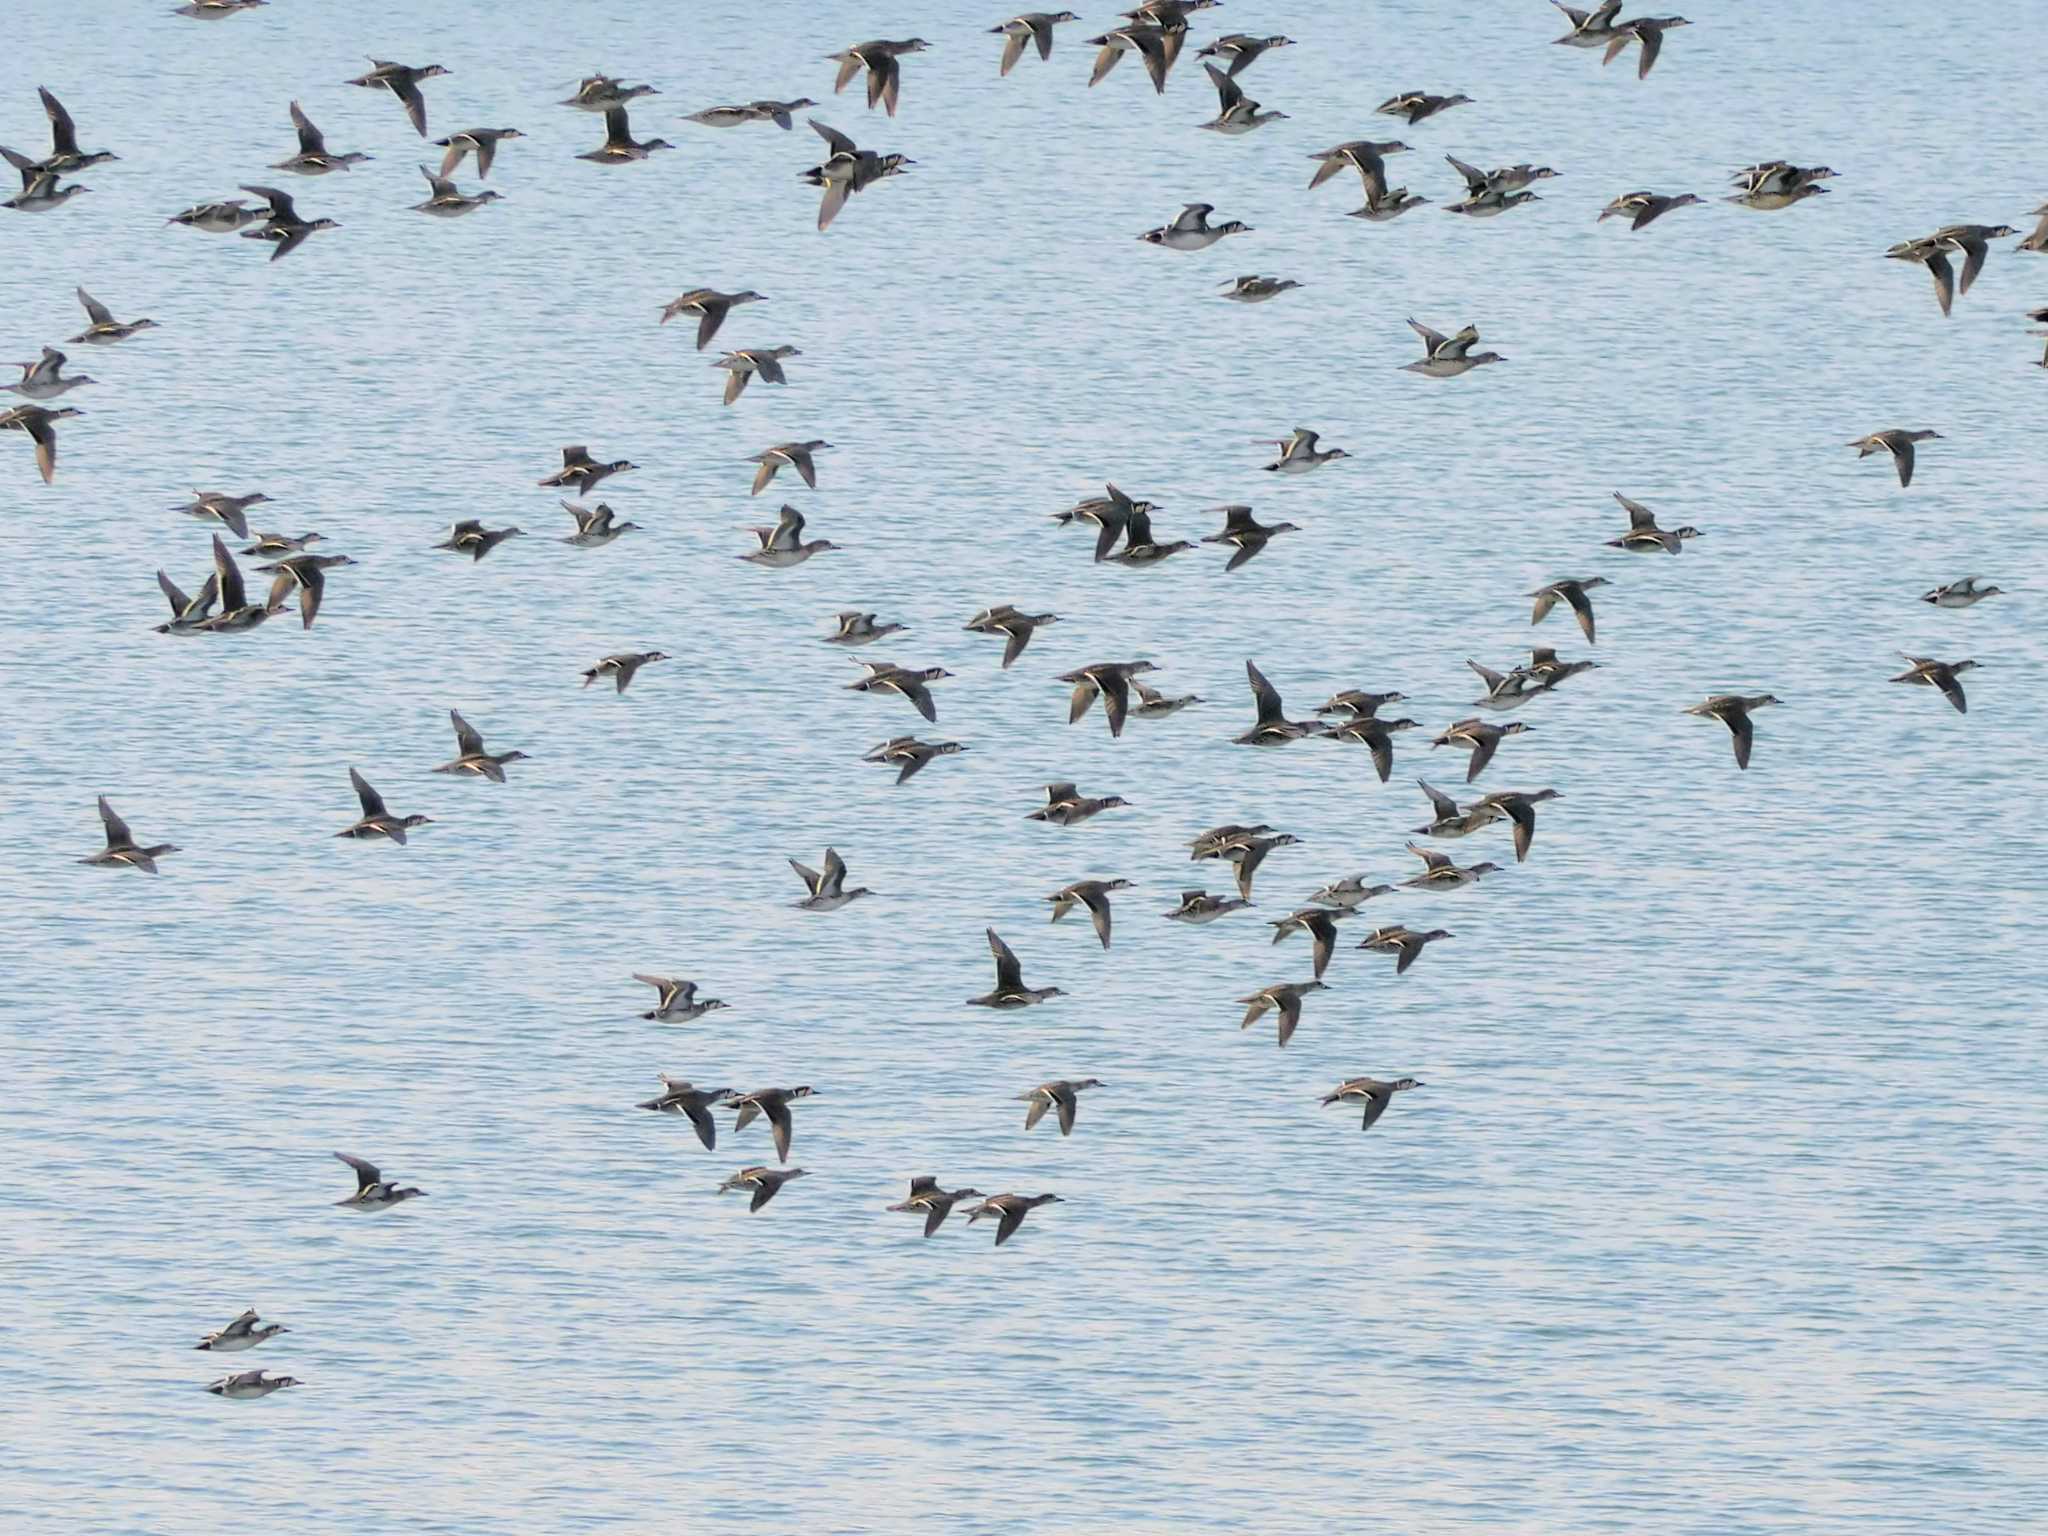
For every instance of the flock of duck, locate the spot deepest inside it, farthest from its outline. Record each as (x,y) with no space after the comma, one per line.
(1155,33)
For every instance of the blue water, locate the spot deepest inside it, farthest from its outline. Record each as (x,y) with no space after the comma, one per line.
(1722,1209)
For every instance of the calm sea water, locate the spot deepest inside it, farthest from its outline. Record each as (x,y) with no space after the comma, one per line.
(1722,1209)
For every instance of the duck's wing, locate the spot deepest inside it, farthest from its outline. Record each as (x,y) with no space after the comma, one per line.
(1013,1217)
(1013,49)
(229,578)
(282,209)
(63,132)
(312,587)
(1290,1014)
(835,873)
(1116,701)
(788,532)
(1097,903)
(837,142)
(1484,745)
(373,803)
(178,600)
(95,311)
(1041,1100)
(311,140)
(1493,680)
(1009,973)
(1376,1102)
(1431,859)
(240,1327)
(800,459)
(1153,48)
(885,81)
(1951,687)
(776,1108)
(1545,601)
(1381,745)
(1743,730)
(1944,279)
(1110,525)
(407,90)
(1432,341)
(1475,179)
(1902,457)
(1228,92)
(118,835)
(1015,642)
(467,740)
(1444,806)
(1265,696)
(438,186)
(1085,694)
(1582,605)
(704,1125)
(367,1175)
(1193,216)
(1041,34)
(1652,39)
(1639,516)
(1056,794)
(1064,1099)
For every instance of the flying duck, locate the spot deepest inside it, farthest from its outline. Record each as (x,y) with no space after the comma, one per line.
(249,1384)
(1192,231)
(1014,626)
(1009,1212)
(1482,739)
(795,456)
(1065,807)
(1733,710)
(1092,894)
(36,421)
(878,58)
(1369,1092)
(122,851)
(827,890)
(44,378)
(1648,31)
(1154,705)
(402,81)
(1350,893)
(847,169)
(105,330)
(751,362)
(1273,728)
(783,544)
(1149,42)
(373,1191)
(1643,533)
(1645,208)
(766,1183)
(1250,853)
(1108,680)
(933,1203)
(1403,941)
(581,473)
(1254,289)
(1010,991)
(1927,671)
(595,526)
(245,1332)
(1590,29)
(237,613)
(282,226)
(1571,590)
(621,667)
(308,573)
(1320,924)
(1367,157)
(1414,106)
(1061,1094)
(1245,533)
(679,1096)
(853,627)
(1284,996)
(1236,113)
(1440,873)
(1239,50)
(470,537)
(481,142)
(314,157)
(710,307)
(1960,594)
(1445,357)
(1520,809)
(911,753)
(444,202)
(677,1003)
(471,758)
(619,146)
(1298,452)
(376,820)
(1898,442)
(1033,27)
(905,682)
(187,613)
(1199,907)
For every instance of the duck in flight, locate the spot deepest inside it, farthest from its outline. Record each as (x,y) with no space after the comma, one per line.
(1091,894)
(65,157)
(282,226)
(764,363)
(766,1183)
(827,889)
(314,157)
(677,1003)
(909,755)
(251,1384)
(1480,738)
(1032,28)
(1733,710)
(1009,1212)
(1192,231)
(1062,1095)
(122,851)
(1643,533)
(1320,924)
(622,667)
(470,537)
(1898,442)
(581,473)
(926,1199)
(373,1191)
(1405,942)
(679,1096)
(481,142)
(1272,728)
(595,526)
(783,544)
(1446,357)
(1370,1093)
(906,682)
(619,146)
(445,202)
(376,820)
(471,759)
(847,169)
(105,330)
(402,81)
(38,421)
(709,306)
(245,1332)
(1571,590)
(1928,672)
(1010,991)
(796,456)
(1015,626)
(1286,998)
(878,58)
(308,573)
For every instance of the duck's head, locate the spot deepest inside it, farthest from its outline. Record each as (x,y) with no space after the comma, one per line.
(1764,698)
(431,71)
(1110,802)
(1962,666)
(1116,885)
(1233,227)
(418,821)
(655,656)
(1285,840)
(1485,357)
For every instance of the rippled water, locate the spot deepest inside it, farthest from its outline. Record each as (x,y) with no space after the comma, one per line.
(1722,1209)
